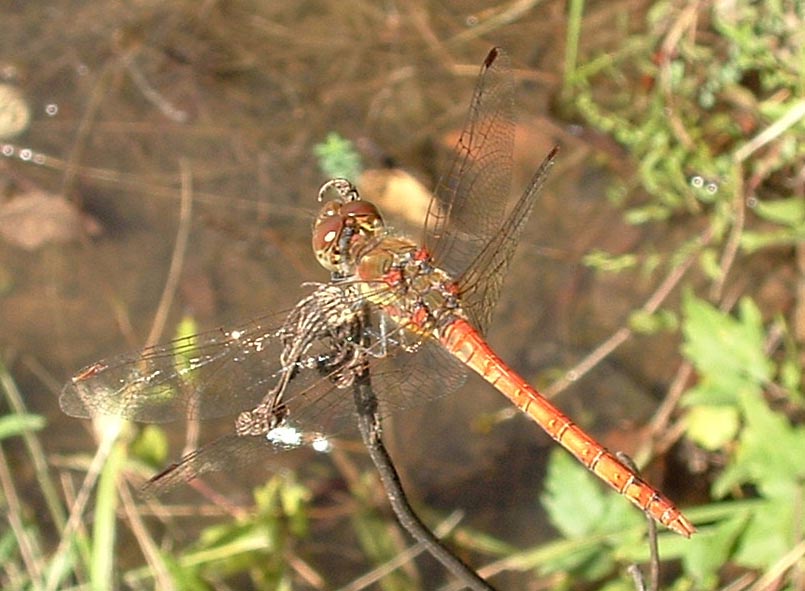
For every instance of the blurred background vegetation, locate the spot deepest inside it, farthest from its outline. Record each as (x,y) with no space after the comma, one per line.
(660,287)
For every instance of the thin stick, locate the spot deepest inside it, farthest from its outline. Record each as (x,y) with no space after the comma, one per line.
(177,259)
(653,544)
(369,424)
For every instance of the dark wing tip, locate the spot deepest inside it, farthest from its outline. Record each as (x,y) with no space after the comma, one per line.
(491,56)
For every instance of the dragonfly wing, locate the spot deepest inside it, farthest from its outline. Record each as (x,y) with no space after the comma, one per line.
(480,284)
(406,381)
(225,453)
(471,197)
(318,408)
(207,375)
(406,370)
(212,374)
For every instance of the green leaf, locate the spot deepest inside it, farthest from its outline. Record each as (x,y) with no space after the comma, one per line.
(707,552)
(187,577)
(186,332)
(727,351)
(708,261)
(16,424)
(712,427)
(791,378)
(151,446)
(375,537)
(337,157)
(769,455)
(648,213)
(604,261)
(187,328)
(104,523)
(769,534)
(787,212)
(573,500)
(644,323)
(580,507)
(754,241)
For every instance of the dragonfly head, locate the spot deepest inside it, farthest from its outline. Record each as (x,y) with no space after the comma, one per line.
(342,226)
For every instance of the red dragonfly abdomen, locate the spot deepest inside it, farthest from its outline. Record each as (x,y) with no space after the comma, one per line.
(463,341)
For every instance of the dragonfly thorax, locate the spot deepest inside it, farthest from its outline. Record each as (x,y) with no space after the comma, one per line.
(401,278)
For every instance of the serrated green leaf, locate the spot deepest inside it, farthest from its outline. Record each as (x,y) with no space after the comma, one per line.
(769,456)
(573,500)
(581,507)
(338,157)
(727,351)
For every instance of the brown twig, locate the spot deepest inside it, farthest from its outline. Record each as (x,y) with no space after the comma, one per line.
(177,258)
(369,425)
(654,550)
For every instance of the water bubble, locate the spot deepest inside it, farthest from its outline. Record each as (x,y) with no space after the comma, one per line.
(696,181)
(26,154)
(751,202)
(7,150)
(712,187)
(82,69)
(471,21)
(39,158)
(321,444)
(51,109)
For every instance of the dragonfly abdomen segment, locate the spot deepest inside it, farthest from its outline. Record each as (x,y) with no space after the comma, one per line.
(463,341)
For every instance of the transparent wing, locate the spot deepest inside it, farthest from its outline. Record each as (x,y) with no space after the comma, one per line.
(230,452)
(481,283)
(471,197)
(212,374)
(224,372)
(321,411)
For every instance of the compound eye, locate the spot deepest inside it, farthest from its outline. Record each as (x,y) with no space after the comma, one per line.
(363,216)
(327,221)
(326,233)
(359,209)
(341,227)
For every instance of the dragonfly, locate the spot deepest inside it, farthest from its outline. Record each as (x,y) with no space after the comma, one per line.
(420,310)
